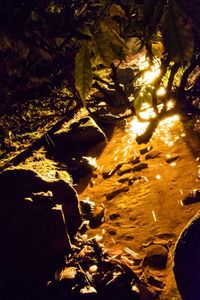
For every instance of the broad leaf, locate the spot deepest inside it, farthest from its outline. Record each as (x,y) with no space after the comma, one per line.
(177,34)
(144,96)
(103,49)
(83,72)
(116,10)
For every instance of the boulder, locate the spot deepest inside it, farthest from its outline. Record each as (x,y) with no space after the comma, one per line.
(79,134)
(37,219)
(187,260)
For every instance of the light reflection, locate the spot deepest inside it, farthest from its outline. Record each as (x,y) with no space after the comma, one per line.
(161,91)
(158,176)
(154,216)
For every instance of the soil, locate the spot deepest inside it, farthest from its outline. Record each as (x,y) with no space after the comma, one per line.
(150,211)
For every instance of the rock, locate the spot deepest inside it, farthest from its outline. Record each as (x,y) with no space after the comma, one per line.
(36,216)
(126,168)
(79,167)
(116,192)
(81,134)
(90,211)
(112,231)
(169,160)
(192,197)
(130,179)
(114,216)
(156,257)
(152,154)
(108,174)
(187,260)
(134,160)
(139,167)
(146,149)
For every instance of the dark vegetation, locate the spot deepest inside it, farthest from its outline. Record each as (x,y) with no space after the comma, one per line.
(55,55)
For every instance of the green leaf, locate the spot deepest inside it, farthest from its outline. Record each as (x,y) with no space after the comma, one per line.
(103,49)
(177,34)
(83,72)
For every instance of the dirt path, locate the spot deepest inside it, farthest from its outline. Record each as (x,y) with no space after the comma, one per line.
(151,210)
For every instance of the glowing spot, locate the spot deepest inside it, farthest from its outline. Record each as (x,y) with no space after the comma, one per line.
(181,191)
(115,158)
(168,155)
(158,176)
(150,75)
(197,159)
(173,164)
(183,134)
(154,216)
(161,91)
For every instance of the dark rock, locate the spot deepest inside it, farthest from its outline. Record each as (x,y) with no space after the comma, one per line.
(81,134)
(130,179)
(187,260)
(108,174)
(79,167)
(112,231)
(192,197)
(36,216)
(169,160)
(116,192)
(152,154)
(126,168)
(134,160)
(92,212)
(139,167)
(146,149)
(114,216)
(156,257)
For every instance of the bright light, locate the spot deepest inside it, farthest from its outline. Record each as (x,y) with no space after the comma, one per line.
(161,91)
(158,177)
(170,104)
(137,127)
(149,76)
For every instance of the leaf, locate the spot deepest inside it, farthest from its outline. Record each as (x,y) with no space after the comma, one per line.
(177,34)
(112,34)
(103,49)
(144,96)
(83,72)
(85,30)
(116,10)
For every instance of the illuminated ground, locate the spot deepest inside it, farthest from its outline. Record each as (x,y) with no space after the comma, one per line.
(151,211)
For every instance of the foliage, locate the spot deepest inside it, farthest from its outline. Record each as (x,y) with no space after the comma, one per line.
(45,44)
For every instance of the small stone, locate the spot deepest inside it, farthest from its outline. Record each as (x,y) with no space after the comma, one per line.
(152,154)
(146,149)
(112,231)
(139,167)
(116,192)
(156,257)
(192,197)
(171,159)
(126,168)
(134,160)
(114,216)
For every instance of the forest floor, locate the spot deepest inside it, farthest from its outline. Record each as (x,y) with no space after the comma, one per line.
(149,211)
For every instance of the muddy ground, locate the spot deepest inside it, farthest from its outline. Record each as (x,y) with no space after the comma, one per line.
(149,210)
